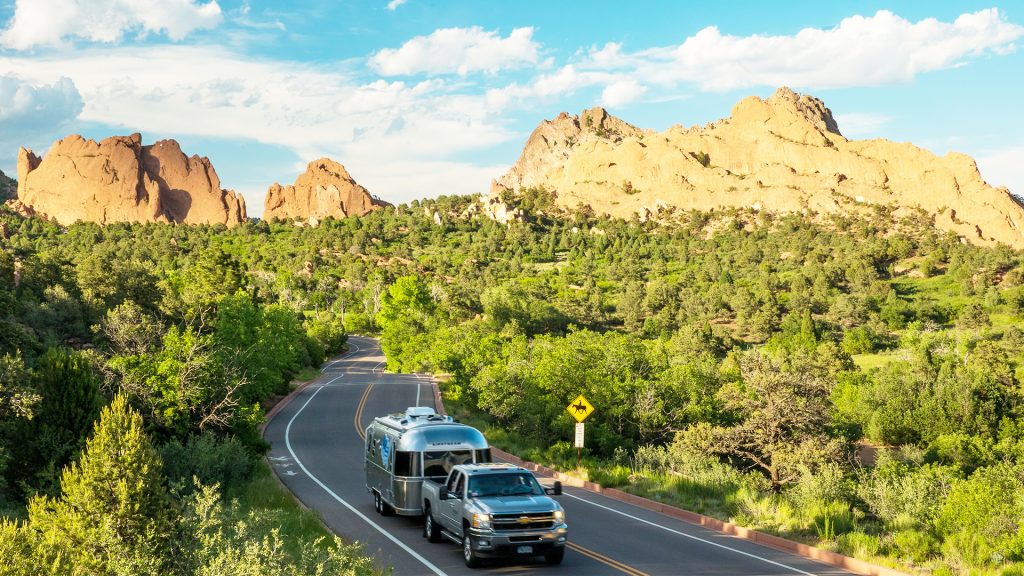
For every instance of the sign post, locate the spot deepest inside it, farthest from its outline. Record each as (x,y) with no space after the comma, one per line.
(580,409)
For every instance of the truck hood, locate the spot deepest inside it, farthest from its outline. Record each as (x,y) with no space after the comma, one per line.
(516,504)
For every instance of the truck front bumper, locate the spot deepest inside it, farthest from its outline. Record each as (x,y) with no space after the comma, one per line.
(490,544)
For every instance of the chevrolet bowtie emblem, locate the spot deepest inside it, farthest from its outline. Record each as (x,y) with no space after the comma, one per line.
(524,519)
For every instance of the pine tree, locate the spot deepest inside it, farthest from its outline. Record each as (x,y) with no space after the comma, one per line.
(69,403)
(115,515)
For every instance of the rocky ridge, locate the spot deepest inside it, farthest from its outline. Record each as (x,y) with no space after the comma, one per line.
(324,190)
(8,187)
(783,154)
(120,180)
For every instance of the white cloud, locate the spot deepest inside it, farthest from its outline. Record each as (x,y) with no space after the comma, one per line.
(52,22)
(459,50)
(31,114)
(862,124)
(1004,168)
(860,51)
(566,80)
(375,127)
(395,4)
(621,92)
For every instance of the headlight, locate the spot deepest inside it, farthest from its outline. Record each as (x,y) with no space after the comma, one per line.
(482,521)
(559,517)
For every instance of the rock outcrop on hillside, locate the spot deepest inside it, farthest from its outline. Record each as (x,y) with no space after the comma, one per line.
(8,187)
(324,189)
(784,153)
(120,180)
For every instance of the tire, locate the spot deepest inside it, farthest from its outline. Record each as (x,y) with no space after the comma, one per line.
(381,506)
(555,555)
(468,554)
(431,531)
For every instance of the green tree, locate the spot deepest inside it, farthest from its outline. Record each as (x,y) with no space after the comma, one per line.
(115,515)
(782,416)
(70,401)
(408,298)
(18,402)
(183,386)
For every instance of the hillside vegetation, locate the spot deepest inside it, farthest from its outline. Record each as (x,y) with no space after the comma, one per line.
(851,381)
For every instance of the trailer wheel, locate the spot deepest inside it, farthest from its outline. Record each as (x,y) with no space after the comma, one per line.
(382,507)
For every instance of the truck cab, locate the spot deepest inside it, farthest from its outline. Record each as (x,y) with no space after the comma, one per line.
(495,510)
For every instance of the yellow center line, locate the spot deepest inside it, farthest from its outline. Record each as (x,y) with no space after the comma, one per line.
(359,411)
(606,560)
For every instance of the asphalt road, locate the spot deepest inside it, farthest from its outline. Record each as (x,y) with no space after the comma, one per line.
(317,452)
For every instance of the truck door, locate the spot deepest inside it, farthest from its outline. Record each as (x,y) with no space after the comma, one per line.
(451,509)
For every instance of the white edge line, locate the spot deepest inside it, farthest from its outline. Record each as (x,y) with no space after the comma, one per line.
(339,359)
(288,444)
(691,536)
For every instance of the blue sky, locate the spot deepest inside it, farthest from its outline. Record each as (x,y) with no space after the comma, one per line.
(420,98)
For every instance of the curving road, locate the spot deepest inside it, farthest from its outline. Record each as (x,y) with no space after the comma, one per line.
(317,452)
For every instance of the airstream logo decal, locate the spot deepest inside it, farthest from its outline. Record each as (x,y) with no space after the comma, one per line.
(385,449)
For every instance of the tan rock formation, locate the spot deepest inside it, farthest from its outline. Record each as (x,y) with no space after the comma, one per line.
(120,180)
(782,154)
(324,189)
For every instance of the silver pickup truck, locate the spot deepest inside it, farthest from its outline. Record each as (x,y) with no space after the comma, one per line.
(495,510)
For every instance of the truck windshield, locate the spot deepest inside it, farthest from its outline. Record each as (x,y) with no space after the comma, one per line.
(441,463)
(513,484)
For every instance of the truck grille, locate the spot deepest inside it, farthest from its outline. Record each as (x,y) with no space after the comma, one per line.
(529,521)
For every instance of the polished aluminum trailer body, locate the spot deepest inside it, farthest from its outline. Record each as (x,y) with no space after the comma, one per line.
(402,449)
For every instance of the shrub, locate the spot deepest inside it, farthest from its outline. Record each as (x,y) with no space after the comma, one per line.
(858,544)
(914,545)
(967,452)
(904,496)
(983,516)
(222,461)
(329,331)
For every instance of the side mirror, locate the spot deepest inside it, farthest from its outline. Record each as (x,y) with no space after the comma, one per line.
(442,493)
(555,490)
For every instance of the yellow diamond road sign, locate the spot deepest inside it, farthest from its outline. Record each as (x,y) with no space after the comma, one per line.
(580,408)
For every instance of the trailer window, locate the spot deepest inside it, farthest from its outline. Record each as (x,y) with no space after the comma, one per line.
(407,463)
(441,463)
(482,456)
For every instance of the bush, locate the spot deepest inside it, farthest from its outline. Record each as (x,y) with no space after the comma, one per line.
(903,496)
(329,331)
(914,545)
(959,449)
(825,486)
(858,544)
(983,516)
(222,461)
(859,340)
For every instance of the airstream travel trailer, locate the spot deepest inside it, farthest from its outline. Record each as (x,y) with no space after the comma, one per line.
(404,448)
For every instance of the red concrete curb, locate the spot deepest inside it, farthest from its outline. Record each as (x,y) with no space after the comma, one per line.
(818,554)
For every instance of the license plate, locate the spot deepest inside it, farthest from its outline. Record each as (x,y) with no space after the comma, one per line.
(524,549)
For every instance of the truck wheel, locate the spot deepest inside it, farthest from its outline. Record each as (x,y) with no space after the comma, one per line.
(381,506)
(472,560)
(431,531)
(555,555)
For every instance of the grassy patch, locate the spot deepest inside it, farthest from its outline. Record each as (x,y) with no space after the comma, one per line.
(265,493)
(305,375)
(265,496)
(868,361)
